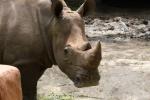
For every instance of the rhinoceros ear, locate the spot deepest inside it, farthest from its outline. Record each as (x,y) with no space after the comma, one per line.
(57,7)
(87,7)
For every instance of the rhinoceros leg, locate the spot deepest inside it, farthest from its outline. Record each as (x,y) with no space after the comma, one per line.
(30,73)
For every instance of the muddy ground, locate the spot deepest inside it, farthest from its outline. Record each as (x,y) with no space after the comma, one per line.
(125,68)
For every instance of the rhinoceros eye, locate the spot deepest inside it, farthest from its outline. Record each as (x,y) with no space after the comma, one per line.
(66,49)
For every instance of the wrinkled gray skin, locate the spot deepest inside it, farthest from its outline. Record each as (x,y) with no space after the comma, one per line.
(36,34)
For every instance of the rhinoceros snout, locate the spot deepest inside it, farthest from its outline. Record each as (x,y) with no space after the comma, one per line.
(87,80)
(80,84)
(81,63)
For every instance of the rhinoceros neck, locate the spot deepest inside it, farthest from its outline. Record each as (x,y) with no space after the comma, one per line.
(45,37)
(44,17)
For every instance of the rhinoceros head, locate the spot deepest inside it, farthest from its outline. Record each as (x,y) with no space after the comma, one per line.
(72,52)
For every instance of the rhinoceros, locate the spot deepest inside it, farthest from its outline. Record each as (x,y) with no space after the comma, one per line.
(36,34)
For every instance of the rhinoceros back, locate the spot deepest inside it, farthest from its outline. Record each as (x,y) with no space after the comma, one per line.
(20,37)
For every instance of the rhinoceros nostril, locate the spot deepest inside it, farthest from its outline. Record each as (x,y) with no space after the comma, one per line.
(85,46)
(77,80)
(88,46)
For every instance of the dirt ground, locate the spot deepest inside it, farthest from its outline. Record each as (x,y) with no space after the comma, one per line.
(124,69)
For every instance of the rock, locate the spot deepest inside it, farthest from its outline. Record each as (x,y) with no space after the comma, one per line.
(145,22)
(111,28)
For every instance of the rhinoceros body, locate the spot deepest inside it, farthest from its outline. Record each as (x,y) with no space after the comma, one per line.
(36,34)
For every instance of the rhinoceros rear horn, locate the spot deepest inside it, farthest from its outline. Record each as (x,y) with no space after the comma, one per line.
(57,7)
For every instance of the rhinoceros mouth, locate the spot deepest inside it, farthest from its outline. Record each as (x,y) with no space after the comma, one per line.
(86,84)
(86,79)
